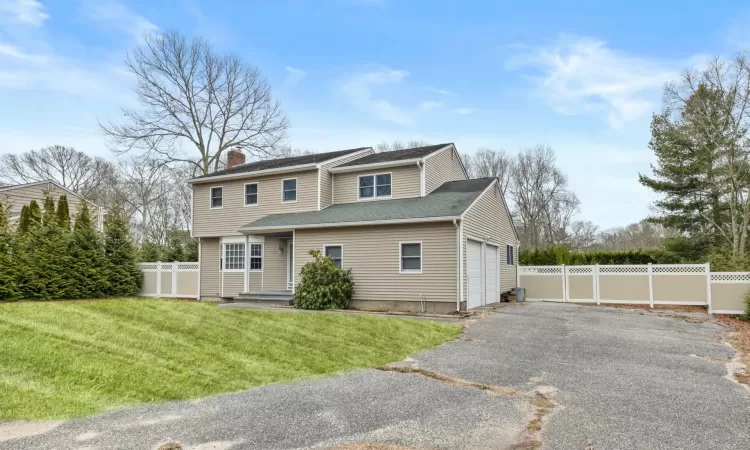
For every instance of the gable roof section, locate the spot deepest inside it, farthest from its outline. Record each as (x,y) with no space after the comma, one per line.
(6,190)
(396,155)
(447,202)
(496,187)
(280,163)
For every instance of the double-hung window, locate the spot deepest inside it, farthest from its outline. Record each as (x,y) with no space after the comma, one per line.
(256,257)
(251,194)
(336,253)
(372,186)
(217,197)
(289,190)
(234,257)
(411,257)
(509,256)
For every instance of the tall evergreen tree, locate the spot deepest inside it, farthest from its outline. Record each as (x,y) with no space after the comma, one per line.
(47,251)
(8,286)
(123,274)
(24,223)
(150,252)
(174,251)
(3,219)
(35,215)
(89,268)
(50,215)
(63,213)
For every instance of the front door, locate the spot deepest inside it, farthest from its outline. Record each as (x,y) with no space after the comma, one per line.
(290,266)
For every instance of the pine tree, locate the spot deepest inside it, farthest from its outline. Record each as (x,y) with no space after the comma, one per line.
(3,219)
(35,215)
(174,251)
(49,215)
(89,268)
(150,252)
(191,250)
(48,251)
(8,286)
(63,213)
(123,275)
(24,223)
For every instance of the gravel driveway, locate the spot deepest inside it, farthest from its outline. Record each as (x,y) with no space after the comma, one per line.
(556,376)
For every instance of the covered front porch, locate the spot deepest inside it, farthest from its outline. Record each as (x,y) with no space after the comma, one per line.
(259,267)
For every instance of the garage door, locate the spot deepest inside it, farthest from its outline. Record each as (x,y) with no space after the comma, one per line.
(473,274)
(491,274)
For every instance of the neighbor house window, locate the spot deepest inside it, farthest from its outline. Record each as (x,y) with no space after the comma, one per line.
(289,188)
(509,257)
(336,253)
(371,186)
(234,257)
(411,257)
(217,197)
(256,257)
(251,194)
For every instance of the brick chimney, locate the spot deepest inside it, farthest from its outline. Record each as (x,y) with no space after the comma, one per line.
(235,157)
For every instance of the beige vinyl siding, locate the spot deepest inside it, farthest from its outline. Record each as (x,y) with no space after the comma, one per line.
(226,220)
(275,264)
(405,182)
(326,178)
(209,266)
(234,284)
(489,218)
(373,255)
(441,167)
(17,197)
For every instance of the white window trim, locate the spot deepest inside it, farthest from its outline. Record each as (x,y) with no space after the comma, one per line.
(296,190)
(224,244)
(400,257)
(335,245)
(257,194)
(211,197)
(262,256)
(375,195)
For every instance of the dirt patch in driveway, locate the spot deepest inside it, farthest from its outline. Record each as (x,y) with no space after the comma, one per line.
(739,339)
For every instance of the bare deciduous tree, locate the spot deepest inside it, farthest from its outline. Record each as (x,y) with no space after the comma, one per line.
(398,145)
(77,171)
(490,163)
(583,235)
(195,105)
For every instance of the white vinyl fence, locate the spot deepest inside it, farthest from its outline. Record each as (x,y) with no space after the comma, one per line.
(646,284)
(175,279)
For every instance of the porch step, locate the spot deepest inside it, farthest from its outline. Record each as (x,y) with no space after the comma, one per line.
(285,298)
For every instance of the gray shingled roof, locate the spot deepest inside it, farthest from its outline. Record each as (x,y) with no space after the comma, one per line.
(278,163)
(449,200)
(396,155)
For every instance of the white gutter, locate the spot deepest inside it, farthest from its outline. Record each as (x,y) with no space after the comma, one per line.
(211,179)
(351,224)
(361,167)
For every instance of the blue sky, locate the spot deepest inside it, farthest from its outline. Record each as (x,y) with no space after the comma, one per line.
(582,77)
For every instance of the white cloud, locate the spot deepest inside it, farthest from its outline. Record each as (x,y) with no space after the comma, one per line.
(429,104)
(294,76)
(359,90)
(440,91)
(29,12)
(579,75)
(10,51)
(117,14)
(463,111)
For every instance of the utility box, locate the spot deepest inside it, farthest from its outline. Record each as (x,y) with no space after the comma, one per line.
(520,294)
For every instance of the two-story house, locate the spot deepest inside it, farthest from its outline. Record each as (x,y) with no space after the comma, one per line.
(416,232)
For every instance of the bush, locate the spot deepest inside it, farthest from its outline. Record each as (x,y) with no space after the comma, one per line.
(747,306)
(323,285)
(553,256)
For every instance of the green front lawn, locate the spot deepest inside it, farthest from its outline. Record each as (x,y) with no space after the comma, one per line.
(63,359)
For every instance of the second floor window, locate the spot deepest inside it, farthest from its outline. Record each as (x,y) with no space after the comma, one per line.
(371,186)
(217,197)
(251,194)
(289,190)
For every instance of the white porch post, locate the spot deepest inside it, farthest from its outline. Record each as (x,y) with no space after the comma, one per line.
(247,265)
(294,250)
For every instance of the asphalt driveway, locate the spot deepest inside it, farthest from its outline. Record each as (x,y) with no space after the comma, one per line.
(556,376)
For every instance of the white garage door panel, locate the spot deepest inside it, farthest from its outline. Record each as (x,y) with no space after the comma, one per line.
(491,274)
(474,274)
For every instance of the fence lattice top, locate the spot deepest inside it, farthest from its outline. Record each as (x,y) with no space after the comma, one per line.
(730,277)
(540,270)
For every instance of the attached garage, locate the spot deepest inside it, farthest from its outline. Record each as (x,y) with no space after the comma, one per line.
(474,274)
(491,274)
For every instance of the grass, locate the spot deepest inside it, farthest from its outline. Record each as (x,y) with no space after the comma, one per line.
(67,359)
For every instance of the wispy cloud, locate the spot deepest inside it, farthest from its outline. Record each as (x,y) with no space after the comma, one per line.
(359,89)
(464,111)
(13,52)
(29,12)
(428,105)
(294,76)
(117,14)
(439,91)
(580,75)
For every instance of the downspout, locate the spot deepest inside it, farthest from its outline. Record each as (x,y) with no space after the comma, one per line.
(421,166)
(458,264)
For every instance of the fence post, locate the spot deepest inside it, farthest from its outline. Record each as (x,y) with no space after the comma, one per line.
(596,284)
(174,279)
(650,286)
(708,287)
(158,278)
(564,284)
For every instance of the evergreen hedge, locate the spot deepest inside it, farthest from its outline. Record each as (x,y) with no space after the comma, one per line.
(42,258)
(561,255)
